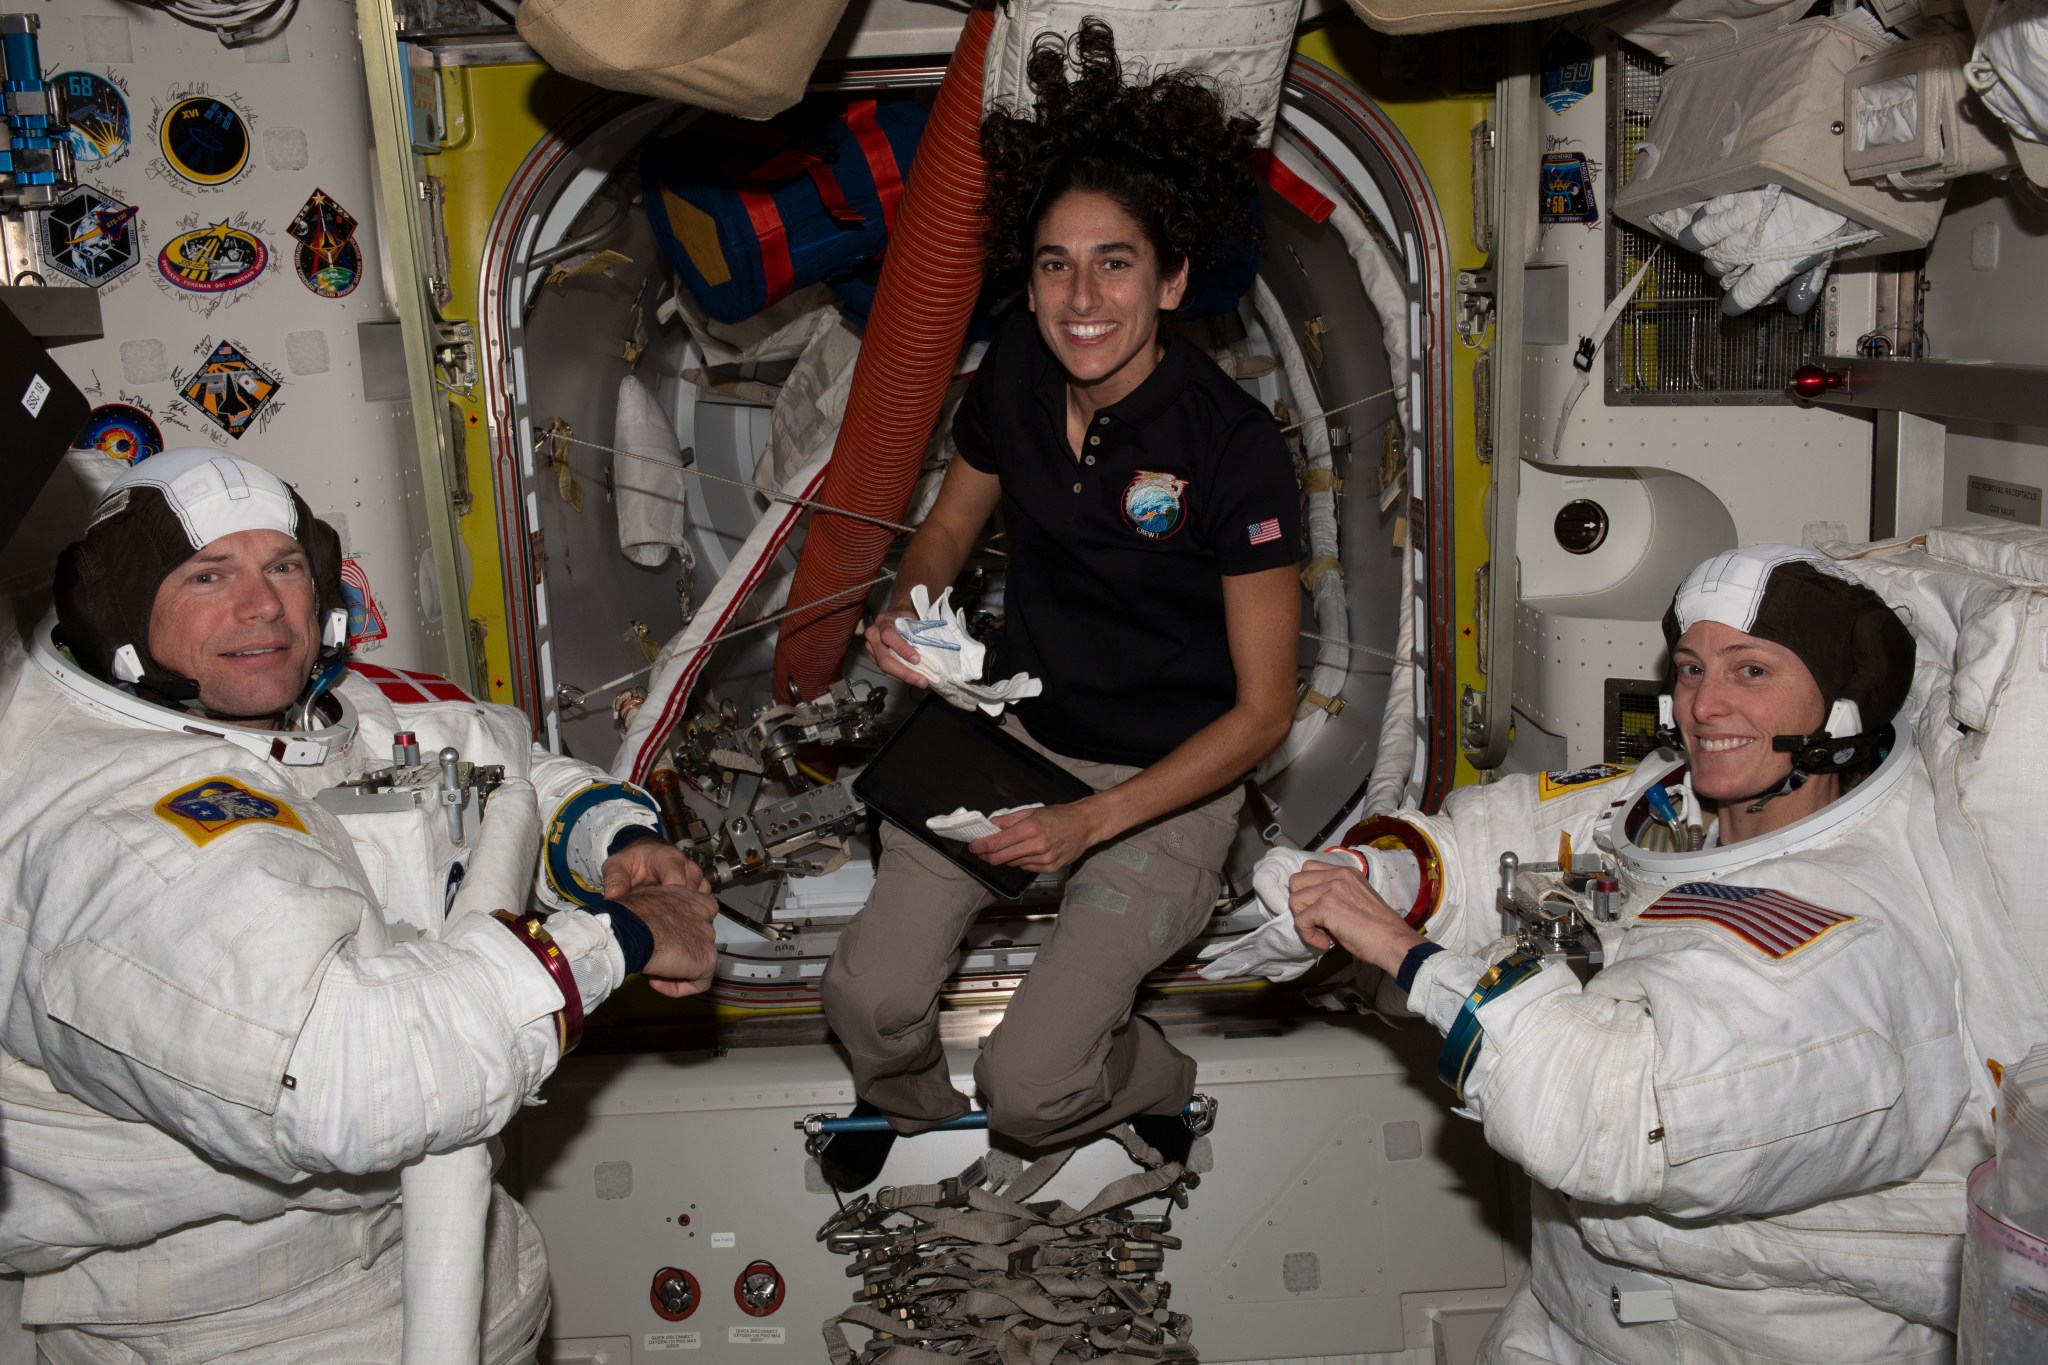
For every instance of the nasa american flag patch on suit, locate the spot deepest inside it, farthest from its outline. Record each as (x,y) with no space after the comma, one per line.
(1264,532)
(1774,923)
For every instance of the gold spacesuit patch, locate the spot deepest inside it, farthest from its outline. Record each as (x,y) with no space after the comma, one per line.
(210,808)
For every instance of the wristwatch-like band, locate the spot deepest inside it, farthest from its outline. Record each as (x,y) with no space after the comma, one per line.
(569,1018)
(1461,1044)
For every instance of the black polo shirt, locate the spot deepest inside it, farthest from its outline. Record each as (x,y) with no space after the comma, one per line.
(1117,557)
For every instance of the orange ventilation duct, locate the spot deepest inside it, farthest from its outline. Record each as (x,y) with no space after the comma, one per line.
(930,280)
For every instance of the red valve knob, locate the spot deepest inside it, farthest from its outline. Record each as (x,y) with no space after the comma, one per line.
(1811,381)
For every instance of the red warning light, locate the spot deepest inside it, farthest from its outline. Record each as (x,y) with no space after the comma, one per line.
(1811,381)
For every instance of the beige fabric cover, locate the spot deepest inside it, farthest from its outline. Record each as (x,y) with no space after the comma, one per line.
(749,58)
(1764,112)
(1679,30)
(1434,16)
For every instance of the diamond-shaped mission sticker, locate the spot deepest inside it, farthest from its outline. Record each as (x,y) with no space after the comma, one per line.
(230,389)
(90,236)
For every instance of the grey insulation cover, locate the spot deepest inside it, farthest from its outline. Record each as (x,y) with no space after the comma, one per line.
(1766,112)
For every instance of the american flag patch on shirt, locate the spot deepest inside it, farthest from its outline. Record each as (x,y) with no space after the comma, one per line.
(1775,924)
(1264,532)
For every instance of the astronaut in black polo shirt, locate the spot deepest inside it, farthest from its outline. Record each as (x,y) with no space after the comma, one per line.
(1153,523)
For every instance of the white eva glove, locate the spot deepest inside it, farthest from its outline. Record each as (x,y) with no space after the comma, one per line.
(951,659)
(1759,242)
(1274,950)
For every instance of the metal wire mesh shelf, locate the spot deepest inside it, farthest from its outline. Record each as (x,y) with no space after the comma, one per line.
(1673,344)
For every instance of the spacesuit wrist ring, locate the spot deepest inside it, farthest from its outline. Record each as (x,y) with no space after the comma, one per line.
(1461,1044)
(1385,832)
(534,934)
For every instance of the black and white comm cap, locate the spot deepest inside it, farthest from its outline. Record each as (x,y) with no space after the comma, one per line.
(154,516)
(1853,643)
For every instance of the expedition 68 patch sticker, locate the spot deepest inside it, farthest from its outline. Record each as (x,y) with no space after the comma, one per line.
(210,808)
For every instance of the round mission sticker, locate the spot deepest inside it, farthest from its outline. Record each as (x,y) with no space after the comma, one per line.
(205,140)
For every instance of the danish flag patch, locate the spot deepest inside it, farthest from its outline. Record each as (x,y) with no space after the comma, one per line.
(1775,924)
(403,687)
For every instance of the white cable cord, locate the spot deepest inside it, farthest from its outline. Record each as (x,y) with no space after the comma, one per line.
(234,22)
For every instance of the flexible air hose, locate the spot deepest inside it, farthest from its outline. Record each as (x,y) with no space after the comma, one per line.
(448,1194)
(930,279)
(1333,621)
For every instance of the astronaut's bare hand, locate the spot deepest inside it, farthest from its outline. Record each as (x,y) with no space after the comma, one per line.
(1336,907)
(651,862)
(685,952)
(1042,840)
(893,654)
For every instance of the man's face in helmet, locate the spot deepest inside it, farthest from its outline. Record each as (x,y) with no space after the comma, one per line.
(1733,694)
(239,619)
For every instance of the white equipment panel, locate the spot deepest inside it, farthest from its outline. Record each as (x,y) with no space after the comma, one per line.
(1346,1212)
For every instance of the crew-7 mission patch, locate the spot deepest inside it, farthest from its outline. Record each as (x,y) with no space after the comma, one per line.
(1559,781)
(208,809)
(1772,922)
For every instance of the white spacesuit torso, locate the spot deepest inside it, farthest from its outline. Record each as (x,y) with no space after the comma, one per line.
(1761,1100)
(225,1026)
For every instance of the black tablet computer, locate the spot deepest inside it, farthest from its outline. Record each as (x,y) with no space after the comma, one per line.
(943,758)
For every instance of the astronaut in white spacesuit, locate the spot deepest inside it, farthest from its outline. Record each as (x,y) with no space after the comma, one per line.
(235,1003)
(1747,1131)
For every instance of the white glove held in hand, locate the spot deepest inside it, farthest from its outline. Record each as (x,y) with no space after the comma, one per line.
(951,659)
(1274,950)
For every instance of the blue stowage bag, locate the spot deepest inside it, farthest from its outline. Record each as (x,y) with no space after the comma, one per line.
(747,213)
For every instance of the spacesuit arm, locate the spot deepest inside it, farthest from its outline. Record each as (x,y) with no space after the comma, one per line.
(582,808)
(428,1045)
(1699,1083)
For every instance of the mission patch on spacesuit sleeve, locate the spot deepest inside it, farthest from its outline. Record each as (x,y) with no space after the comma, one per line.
(210,808)
(1775,924)
(1559,781)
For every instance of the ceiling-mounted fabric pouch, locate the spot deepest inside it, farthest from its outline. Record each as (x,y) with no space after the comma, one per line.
(747,213)
(736,56)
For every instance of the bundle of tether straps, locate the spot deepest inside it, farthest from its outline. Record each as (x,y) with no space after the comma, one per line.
(970,1270)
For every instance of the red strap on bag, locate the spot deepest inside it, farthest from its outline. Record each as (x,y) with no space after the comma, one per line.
(874,145)
(777,274)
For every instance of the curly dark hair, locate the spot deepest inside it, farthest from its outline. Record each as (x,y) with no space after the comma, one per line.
(1166,151)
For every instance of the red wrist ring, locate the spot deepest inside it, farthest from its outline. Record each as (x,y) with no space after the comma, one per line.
(569,1018)
(1383,831)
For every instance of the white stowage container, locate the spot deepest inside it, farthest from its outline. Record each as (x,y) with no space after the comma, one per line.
(2004,1318)
(2022,1181)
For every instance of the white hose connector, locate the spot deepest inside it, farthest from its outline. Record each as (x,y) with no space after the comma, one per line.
(447,1195)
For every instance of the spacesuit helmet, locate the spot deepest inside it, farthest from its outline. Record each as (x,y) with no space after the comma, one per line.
(1857,649)
(154,516)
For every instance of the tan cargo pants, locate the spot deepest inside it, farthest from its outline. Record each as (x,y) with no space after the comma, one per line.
(1068,1058)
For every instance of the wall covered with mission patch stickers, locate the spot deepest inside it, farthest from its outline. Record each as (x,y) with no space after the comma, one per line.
(225,214)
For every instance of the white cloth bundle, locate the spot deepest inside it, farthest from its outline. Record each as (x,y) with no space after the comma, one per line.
(968,825)
(2009,72)
(1274,950)
(951,659)
(647,478)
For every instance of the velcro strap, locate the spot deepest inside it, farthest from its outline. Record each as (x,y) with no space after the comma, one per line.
(1320,480)
(1317,567)
(1316,699)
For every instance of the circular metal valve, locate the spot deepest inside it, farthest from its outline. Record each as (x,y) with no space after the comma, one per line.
(674,1293)
(758,1290)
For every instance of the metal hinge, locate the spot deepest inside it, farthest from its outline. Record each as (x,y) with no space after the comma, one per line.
(455,357)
